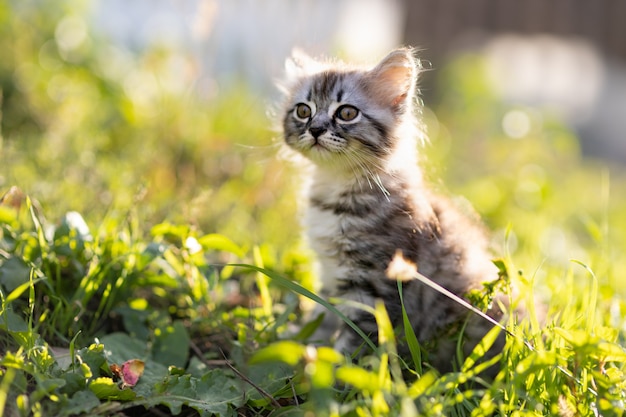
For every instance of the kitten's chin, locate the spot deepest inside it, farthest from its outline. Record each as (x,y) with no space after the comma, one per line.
(324,159)
(319,154)
(317,151)
(326,156)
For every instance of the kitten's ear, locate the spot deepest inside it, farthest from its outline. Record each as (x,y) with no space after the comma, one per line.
(297,66)
(394,78)
(300,64)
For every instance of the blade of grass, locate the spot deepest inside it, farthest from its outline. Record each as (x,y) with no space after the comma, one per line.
(31,304)
(593,298)
(16,293)
(389,356)
(409,334)
(262,284)
(5,387)
(432,284)
(427,281)
(73,349)
(480,350)
(532,310)
(299,289)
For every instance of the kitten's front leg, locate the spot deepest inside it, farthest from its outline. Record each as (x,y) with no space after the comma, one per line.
(334,331)
(351,343)
(327,331)
(348,341)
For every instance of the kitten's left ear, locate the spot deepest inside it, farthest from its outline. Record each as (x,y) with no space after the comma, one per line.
(300,64)
(394,78)
(297,66)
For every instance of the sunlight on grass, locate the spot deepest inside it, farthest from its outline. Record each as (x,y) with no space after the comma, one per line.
(142,225)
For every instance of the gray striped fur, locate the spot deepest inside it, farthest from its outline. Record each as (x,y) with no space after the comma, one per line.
(367,202)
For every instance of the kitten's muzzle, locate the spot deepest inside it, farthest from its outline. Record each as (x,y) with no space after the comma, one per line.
(316,132)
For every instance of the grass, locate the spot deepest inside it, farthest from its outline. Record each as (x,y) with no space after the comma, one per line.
(76,306)
(150,262)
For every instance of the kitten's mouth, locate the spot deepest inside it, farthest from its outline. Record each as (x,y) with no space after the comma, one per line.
(317,144)
(319,148)
(317,151)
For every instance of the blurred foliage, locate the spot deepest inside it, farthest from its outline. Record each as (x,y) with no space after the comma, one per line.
(92,127)
(87,125)
(522,170)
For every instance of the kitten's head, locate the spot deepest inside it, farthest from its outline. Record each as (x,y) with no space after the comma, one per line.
(351,118)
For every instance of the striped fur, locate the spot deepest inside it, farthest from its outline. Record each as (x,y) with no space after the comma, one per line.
(367,201)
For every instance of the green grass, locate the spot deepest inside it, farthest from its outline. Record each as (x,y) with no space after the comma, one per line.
(164,232)
(76,304)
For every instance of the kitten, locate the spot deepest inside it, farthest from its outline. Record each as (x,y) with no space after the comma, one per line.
(368,204)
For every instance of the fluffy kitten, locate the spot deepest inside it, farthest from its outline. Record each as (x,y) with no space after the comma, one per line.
(368,203)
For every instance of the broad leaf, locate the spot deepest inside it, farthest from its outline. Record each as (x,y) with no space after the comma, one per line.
(107,389)
(81,403)
(214,393)
(171,345)
(13,273)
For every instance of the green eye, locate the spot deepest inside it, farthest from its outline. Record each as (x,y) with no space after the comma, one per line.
(303,111)
(347,113)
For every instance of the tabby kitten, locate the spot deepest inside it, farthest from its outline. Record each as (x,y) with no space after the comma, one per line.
(368,204)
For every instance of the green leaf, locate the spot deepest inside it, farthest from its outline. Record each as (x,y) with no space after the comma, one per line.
(7,215)
(81,403)
(171,345)
(71,235)
(285,351)
(220,243)
(93,357)
(173,233)
(359,378)
(409,334)
(576,337)
(272,377)
(13,273)
(74,382)
(120,347)
(16,293)
(214,393)
(309,328)
(9,321)
(419,387)
(611,352)
(106,389)
(45,387)
(136,321)
(481,349)
(536,360)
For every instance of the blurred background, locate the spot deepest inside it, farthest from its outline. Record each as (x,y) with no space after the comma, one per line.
(566,56)
(166,108)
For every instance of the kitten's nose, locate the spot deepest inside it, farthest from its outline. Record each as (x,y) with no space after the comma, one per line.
(317,131)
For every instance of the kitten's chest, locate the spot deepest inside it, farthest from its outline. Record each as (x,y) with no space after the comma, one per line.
(336,215)
(339,220)
(331,235)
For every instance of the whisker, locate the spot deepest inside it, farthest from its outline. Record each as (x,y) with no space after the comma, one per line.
(364,162)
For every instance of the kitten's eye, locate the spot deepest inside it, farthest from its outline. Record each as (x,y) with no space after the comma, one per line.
(347,113)
(303,111)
